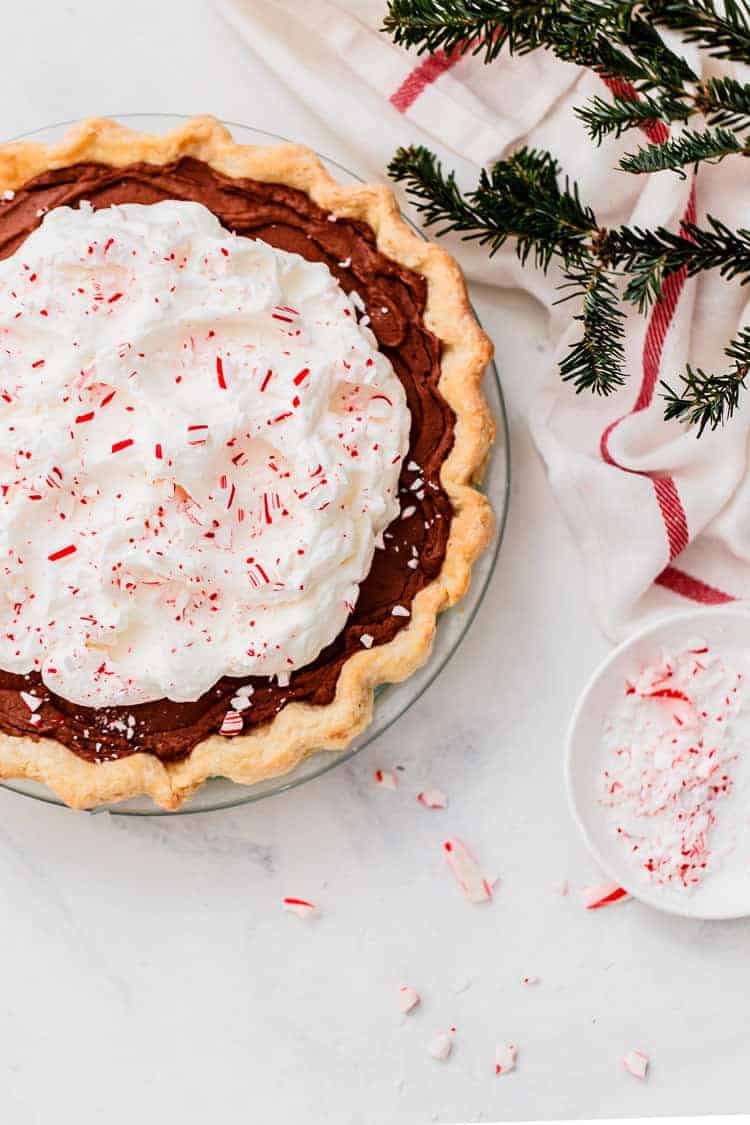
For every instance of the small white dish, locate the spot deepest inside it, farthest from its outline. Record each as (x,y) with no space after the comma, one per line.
(725,892)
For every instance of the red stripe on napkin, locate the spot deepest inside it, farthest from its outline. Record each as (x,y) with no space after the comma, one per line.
(665,489)
(688,587)
(673,515)
(423,75)
(656,131)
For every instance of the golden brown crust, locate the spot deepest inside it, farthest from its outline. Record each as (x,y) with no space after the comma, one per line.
(299,728)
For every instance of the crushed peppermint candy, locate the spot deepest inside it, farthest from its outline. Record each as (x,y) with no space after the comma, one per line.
(636,1063)
(386,779)
(432,799)
(408,998)
(400,611)
(603,894)
(473,882)
(8,195)
(367,640)
(33,702)
(441,1046)
(505,1057)
(301,907)
(672,753)
(240,702)
(529,980)
(232,724)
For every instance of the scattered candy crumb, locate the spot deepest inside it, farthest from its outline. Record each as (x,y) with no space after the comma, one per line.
(636,1063)
(301,907)
(441,1046)
(432,799)
(505,1057)
(408,998)
(475,885)
(603,894)
(386,779)
(33,702)
(232,724)
(562,888)
(529,980)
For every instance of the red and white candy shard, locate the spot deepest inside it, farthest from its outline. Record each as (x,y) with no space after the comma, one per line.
(432,799)
(529,980)
(672,746)
(33,702)
(232,724)
(505,1057)
(408,998)
(603,894)
(386,779)
(301,907)
(441,1046)
(636,1063)
(476,886)
(221,451)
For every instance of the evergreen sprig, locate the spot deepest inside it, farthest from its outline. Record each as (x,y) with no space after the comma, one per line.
(526,198)
(603,118)
(689,148)
(523,198)
(595,361)
(724,34)
(619,39)
(706,400)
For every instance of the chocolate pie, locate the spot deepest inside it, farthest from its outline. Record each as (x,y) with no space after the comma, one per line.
(240,423)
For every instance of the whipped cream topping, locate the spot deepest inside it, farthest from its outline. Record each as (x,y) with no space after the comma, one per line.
(201,450)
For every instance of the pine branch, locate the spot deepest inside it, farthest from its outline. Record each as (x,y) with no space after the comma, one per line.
(710,400)
(724,101)
(609,36)
(603,118)
(595,362)
(725,35)
(524,197)
(436,195)
(479,26)
(648,258)
(618,39)
(519,197)
(689,148)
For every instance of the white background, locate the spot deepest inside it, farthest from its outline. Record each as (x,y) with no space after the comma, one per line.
(147,968)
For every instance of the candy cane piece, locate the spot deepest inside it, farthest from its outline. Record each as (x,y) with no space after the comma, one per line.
(505,1057)
(432,799)
(386,779)
(408,998)
(301,907)
(475,885)
(604,894)
(636,1063)
(441,1046)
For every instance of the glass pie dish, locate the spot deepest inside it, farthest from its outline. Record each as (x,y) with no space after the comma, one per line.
(392,700)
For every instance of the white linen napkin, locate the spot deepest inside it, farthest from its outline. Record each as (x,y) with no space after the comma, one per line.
(662,519)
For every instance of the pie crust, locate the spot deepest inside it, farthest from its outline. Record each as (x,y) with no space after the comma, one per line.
(299,728)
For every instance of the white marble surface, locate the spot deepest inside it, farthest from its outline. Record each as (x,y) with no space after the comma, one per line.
(148,967)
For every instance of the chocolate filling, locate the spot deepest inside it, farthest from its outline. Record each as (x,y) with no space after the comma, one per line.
(394,298)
